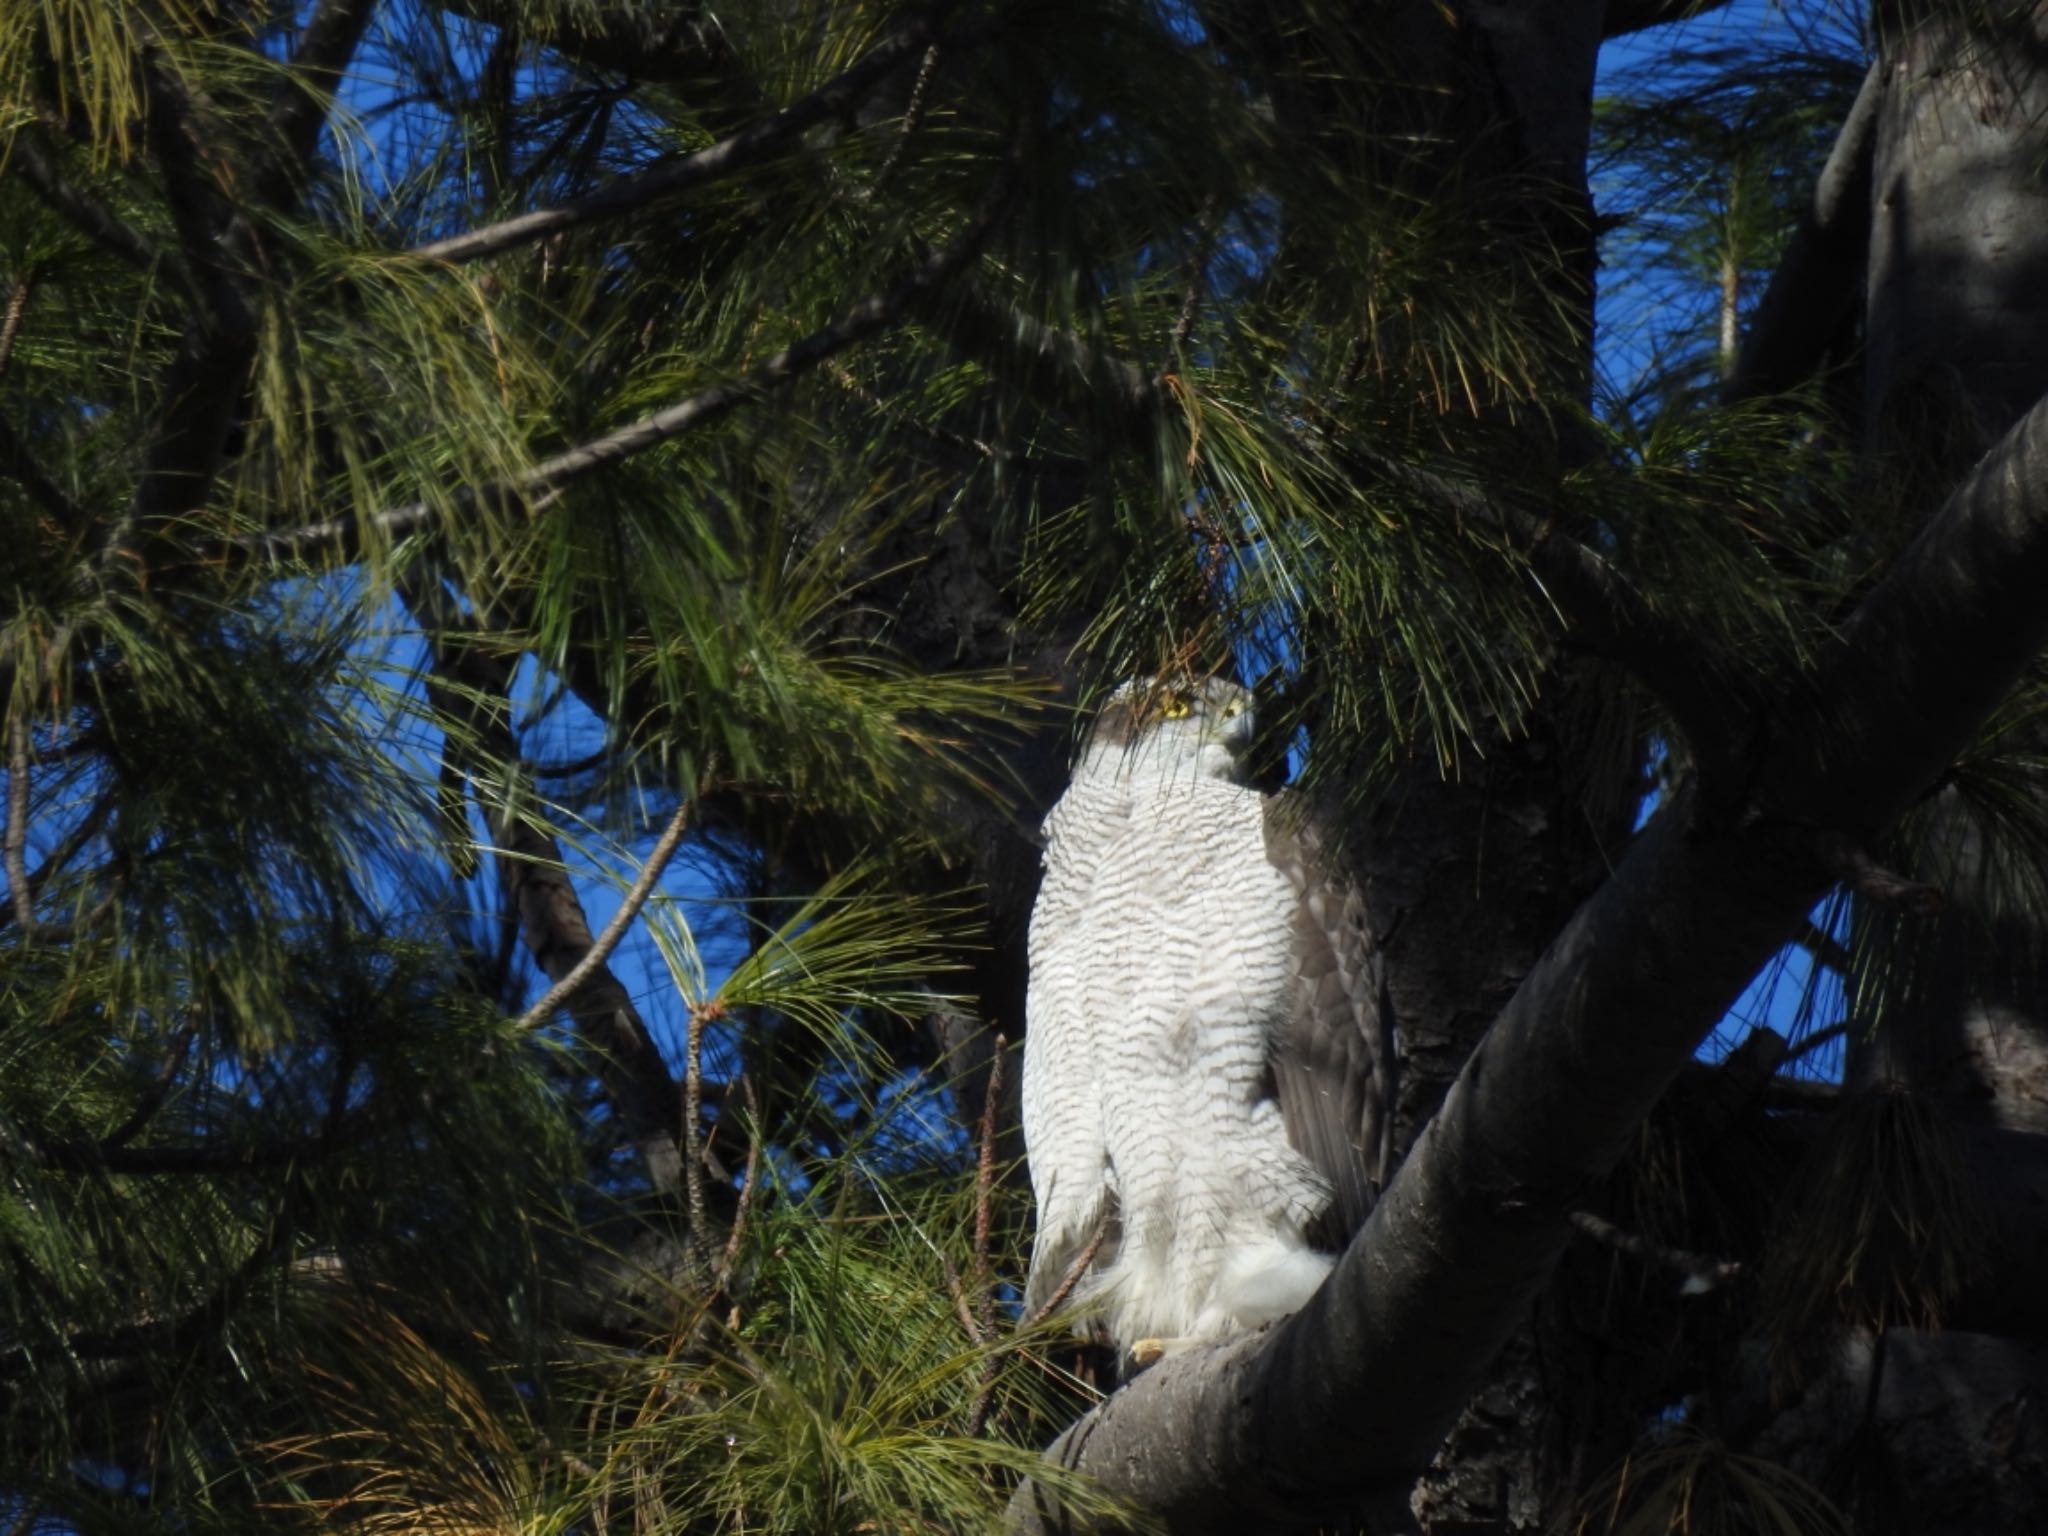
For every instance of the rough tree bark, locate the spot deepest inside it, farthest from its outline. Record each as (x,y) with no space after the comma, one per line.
(1957,350)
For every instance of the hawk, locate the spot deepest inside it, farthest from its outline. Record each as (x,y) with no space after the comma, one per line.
(1207,1068)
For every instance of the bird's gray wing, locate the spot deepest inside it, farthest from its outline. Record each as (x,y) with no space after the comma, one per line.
(1334,1057)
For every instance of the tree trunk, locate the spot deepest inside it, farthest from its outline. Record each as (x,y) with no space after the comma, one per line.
(1916,1431)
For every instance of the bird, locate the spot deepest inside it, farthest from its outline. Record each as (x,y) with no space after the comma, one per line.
(1209,1061)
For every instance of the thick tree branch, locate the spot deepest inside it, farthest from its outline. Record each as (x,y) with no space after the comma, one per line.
(1814,290)
(751,145)
(1353,1393)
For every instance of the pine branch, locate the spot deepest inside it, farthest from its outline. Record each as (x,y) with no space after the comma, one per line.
(1604,613)
(678,43)
(1626,16)
(466,684)
(868,318)
(17,461)
(750,146)
(86,213)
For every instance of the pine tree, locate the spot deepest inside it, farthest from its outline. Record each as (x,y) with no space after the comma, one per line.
(554,552)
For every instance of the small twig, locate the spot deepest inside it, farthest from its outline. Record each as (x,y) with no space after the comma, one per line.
(913,117)
(888,412)
(749,1179)
(83,831)
(693,1110)
(615,930)
(1701,1274)
(1826,948)
(1198,279)
(984,1193)
(10,322)
(984,1398)
(16,838)
(1808,1044)
(961,1309)
(1070,1279)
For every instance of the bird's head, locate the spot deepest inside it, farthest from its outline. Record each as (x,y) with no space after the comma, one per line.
(1175,724)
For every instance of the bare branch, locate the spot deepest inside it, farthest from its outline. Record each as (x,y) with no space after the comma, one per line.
(15,841)
(600,951)
(1827,949)
(748,147)
(17,461)
(748,1180)
(1070,1279)
(1808,1044)
(693,1109)
(1702,1274)
(984,1191)
(10,322)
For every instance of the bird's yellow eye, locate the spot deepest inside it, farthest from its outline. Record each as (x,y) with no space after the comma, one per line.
(1175,706)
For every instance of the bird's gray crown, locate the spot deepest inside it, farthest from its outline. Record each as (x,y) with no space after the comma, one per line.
(1196,713)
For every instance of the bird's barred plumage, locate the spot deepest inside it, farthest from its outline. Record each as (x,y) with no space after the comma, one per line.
(1205,1065)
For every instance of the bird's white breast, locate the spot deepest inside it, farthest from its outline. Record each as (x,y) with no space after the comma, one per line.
(1161,964)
